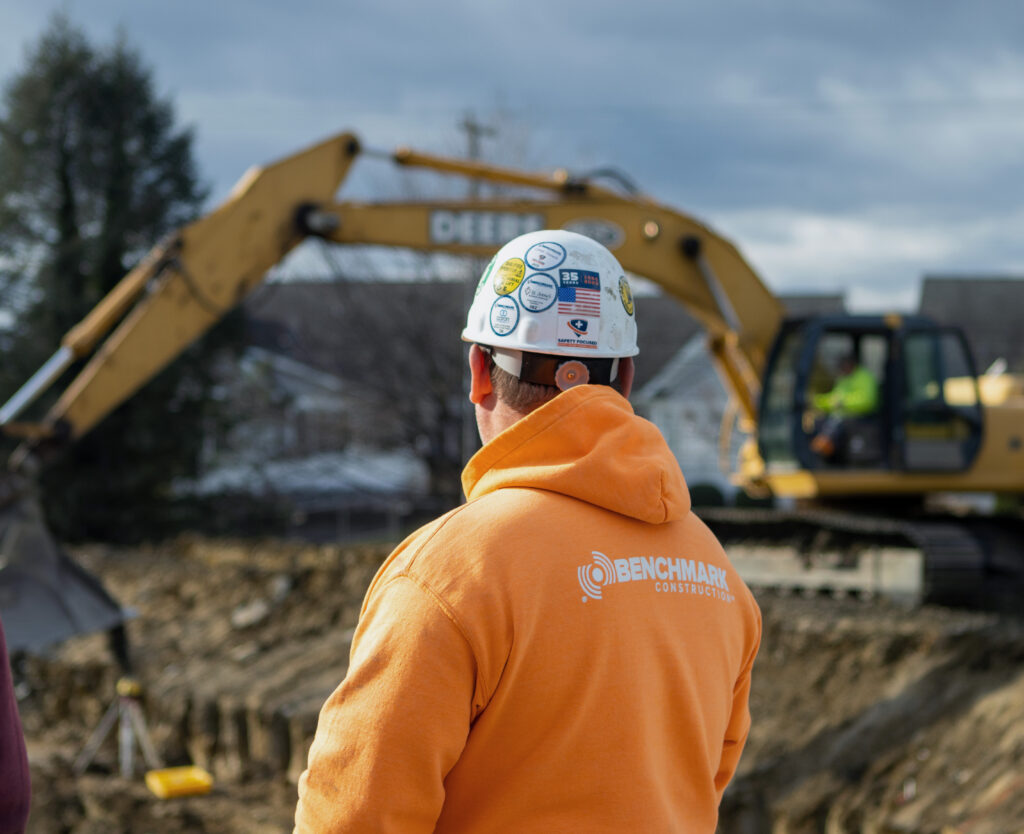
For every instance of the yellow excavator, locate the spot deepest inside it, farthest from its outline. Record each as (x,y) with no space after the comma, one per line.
(937,426)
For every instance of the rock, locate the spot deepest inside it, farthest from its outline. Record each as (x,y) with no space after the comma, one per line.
(250,614)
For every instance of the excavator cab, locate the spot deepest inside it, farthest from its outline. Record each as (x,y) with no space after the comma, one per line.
(927,416)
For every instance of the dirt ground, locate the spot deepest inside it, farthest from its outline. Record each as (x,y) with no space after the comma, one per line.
(867,717)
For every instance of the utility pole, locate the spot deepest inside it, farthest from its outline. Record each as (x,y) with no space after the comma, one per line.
(475,131)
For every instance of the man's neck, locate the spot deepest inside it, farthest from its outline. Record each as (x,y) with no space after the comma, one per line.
(494,420)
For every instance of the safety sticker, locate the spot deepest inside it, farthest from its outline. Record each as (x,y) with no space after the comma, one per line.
(626,294)
(509,276)
(577,332)
(504,315)
(538,292)
(484,277)
(545,255)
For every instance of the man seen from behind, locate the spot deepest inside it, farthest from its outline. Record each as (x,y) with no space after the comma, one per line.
(570,650)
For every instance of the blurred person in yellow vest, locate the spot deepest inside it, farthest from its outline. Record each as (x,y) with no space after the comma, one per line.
(854,395)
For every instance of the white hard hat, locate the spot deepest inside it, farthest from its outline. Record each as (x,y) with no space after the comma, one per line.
(557,294)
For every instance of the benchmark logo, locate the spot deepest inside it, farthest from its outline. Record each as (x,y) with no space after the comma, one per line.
(670,576)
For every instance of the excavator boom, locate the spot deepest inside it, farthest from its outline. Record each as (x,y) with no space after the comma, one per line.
(191,280)
(187,284)
(196,276)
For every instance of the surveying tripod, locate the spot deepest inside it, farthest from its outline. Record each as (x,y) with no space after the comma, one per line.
(126,710)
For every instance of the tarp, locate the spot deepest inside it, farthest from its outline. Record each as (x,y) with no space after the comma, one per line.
(45,596)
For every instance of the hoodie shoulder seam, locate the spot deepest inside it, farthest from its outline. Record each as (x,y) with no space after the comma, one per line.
(439,525)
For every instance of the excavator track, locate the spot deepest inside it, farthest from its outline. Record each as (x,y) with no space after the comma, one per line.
(970,562)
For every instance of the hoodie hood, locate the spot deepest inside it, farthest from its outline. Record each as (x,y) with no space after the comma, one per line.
(588,444)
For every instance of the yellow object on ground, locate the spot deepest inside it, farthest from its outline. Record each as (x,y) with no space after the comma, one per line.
(188,780)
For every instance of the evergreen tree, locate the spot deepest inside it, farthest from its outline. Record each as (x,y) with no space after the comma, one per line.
(93,172)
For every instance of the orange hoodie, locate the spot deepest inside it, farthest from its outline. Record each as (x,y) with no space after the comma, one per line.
(569,651)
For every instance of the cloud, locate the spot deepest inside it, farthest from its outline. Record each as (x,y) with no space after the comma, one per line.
(954,121)
(876,259)
(862,139)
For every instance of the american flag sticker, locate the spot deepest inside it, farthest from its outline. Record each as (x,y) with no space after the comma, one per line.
(579,293)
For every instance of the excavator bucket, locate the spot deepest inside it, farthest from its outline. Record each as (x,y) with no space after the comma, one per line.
(45,596)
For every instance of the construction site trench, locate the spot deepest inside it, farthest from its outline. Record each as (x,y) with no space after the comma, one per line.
(867,716)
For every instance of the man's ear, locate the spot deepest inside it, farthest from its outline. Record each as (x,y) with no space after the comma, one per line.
(480,372)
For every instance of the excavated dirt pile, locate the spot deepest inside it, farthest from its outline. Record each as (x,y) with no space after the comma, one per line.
(873,718)
(867,717)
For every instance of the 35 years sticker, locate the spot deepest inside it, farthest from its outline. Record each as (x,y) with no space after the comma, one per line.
(538,292)
(509,276)
(504,315)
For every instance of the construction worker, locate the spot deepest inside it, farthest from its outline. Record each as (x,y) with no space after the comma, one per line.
(570,650)
(855,394)
(15,784)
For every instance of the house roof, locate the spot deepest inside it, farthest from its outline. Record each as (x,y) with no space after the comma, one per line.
(679,353)
(665,327)
(315,322)
(987,308)
(332,326)
(813,304)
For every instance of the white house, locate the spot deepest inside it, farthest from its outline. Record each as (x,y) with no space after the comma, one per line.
(687,401)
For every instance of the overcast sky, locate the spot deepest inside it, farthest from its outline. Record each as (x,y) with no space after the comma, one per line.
(843,145)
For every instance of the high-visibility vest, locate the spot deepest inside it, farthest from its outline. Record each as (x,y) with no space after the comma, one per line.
(854,395)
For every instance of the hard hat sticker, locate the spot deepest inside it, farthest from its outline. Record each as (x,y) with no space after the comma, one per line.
(509,276)
(626,294)
(579,292)
(538,292)
(546,255)
(504,315)
(577,332)
(483,278)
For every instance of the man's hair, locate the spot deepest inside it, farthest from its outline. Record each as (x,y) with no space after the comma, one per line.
(521,397)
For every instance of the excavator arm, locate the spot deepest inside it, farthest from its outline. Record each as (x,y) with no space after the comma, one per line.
(191,280)
(185,285)
(689,261)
